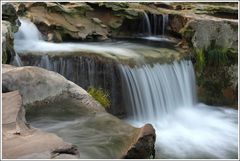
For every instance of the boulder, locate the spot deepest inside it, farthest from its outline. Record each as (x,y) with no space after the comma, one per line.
(143,148)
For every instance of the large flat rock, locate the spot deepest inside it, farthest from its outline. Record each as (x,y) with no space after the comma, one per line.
(20,141)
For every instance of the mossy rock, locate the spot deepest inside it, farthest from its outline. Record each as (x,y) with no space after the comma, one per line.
(214,9)
(115,23)
(115,6)
(9,13)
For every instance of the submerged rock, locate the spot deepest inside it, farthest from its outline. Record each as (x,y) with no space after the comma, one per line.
(41,89)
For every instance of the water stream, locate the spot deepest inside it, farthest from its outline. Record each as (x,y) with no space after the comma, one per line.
(161,94)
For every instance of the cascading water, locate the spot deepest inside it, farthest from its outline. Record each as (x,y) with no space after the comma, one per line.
(147,23)
(165,23)
(162,94)
(155,24)
(28,31)
(156,27)
(165,96)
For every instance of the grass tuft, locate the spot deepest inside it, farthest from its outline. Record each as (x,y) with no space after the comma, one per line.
(100,95)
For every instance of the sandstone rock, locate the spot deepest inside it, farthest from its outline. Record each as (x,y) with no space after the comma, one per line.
(65,21)
(16,131)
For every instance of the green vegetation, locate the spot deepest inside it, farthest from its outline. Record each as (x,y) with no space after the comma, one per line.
(215,57)
(212,72)
(100,95)
(200,60)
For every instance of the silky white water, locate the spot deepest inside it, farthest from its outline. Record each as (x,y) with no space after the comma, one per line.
(165,96)
(165,23)
(29,39)
(147,23)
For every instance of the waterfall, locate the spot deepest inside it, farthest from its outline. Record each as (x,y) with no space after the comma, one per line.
(164,95)
(27,31)
(147,23)
(159,89)
(165,23)
(156,27)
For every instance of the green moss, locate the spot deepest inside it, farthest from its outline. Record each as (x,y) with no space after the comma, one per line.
(215,57)
(100,95)
(212,74)
(200,60)
(115,6)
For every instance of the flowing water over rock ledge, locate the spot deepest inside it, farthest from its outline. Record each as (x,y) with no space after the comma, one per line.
(91,64)
(149,79)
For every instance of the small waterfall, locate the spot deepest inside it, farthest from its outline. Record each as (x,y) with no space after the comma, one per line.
(147,23)
(27,31)
(165,23)
(154,91)
(155,25)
